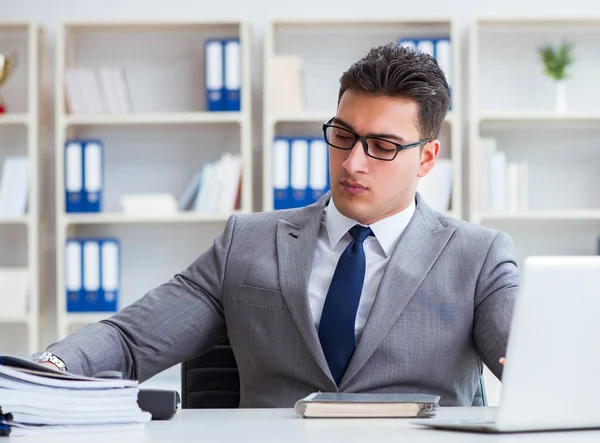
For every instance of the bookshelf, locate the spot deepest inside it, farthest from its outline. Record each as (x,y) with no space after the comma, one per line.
(561,187)
(19,136)
(553,207)
(157,147)
(321,66)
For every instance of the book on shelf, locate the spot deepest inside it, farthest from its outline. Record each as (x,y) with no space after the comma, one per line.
(307,180)
(438,48)
(149,204)
(97,91)
(223,74)
(287,89)
(93,277)
(14,187)
(503,185)
(366,405)
(215,188)
(84,170)
(39,400)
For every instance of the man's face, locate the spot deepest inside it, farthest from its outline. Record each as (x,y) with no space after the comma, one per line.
(367,189)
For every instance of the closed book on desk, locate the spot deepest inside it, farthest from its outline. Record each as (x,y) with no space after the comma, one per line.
(349,405)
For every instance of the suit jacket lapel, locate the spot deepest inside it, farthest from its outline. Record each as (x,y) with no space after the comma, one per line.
(420,245)
(296,244)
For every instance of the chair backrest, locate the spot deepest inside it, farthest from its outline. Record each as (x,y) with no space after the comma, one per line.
(211,380)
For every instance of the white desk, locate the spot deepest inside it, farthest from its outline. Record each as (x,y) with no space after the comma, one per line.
(283,426)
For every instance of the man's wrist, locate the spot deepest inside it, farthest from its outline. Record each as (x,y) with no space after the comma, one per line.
(48,357)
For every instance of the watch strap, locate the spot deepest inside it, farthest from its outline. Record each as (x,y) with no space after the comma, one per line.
(50,357)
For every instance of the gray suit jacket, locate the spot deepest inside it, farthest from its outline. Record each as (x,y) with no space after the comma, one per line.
(444,305)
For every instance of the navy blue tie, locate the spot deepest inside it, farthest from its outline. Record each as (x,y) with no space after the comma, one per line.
(336,328)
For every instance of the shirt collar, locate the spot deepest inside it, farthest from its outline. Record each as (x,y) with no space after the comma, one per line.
(387,231)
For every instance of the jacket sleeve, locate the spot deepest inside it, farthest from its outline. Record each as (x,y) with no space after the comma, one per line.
(495,296)
(176,321)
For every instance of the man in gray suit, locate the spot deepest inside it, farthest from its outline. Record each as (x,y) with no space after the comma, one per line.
(367,290)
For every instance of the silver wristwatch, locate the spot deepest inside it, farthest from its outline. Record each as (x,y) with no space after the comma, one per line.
(43,357)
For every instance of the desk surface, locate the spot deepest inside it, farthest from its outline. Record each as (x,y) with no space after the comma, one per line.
(283,426)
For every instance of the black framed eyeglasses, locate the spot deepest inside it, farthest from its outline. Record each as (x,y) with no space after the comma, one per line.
(375,147)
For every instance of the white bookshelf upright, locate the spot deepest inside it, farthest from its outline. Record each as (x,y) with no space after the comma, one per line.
(553,208)
(156,148)
(19,136)
(326,48)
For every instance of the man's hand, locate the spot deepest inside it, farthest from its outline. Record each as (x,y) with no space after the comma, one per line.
(50,365)
(502,361)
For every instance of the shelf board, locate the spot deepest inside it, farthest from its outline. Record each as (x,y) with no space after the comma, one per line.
(80,318)
(120,218)
(575,215)
(316,117)
(117,24)
(8,24)
(15,319)
(23,220)
(167,118)
(538,20)
(14,119)
(303,117)
(406,20)
(534,116)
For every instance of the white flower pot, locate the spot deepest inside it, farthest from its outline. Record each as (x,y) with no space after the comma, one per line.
(561,96)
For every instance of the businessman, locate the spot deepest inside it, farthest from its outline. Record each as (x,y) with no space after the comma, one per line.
(367,290)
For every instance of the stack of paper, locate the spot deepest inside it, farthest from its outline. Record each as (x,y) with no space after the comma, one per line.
(38,400)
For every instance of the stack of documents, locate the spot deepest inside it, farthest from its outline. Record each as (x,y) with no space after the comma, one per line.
(38,400)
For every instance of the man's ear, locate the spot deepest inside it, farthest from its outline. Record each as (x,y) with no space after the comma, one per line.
(429,156)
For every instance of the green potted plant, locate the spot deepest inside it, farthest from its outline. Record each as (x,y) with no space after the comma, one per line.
(556,61)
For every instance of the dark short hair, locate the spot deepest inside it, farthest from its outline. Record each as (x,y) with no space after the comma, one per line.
(397,71)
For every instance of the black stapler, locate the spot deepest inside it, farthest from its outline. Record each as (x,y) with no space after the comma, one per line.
(162,404)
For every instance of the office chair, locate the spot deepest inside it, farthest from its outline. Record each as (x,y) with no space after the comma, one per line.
(211,380)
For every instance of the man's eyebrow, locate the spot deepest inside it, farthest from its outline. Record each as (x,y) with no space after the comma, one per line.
(341,122)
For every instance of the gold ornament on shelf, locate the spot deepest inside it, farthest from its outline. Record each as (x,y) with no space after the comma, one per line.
(7,66)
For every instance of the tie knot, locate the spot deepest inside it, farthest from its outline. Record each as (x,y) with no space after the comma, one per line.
(360,233)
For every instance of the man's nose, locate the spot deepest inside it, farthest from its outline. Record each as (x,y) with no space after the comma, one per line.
(357,158)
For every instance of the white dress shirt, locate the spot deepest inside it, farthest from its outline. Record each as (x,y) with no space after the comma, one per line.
(331,243)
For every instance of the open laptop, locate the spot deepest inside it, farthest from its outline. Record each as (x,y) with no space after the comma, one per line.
(551,379)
